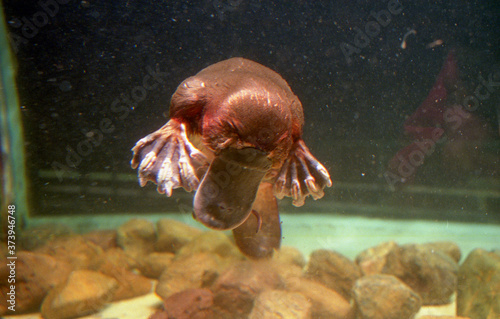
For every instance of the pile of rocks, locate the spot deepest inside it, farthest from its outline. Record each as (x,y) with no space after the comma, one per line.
(72,275)
(203,275)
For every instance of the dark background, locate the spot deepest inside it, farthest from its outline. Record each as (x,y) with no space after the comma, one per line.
(91,53)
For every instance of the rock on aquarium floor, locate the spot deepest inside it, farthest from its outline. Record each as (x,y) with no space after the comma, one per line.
(169,269)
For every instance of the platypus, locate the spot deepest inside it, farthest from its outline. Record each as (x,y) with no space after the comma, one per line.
(235,138)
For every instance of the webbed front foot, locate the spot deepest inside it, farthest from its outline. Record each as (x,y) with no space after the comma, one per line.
(167,158)
(301,175)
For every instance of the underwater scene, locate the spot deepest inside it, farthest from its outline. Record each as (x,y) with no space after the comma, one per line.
(252,159)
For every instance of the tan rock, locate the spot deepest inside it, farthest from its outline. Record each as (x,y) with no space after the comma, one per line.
(287,271)
(384,297)
(84,292)
(373,260)
(160,314)
(288,262)
(129,284)
(289,256)
(446,247)
(442,317)
(272,304)
(172,235)
(478,294)
(75,250)
(106,239)
(236,289)
(326,303)
(154,264)
(333,270)
(213,242)
(117,257)
(137,237)
(430,273)
(187,273)
(35,275)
